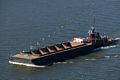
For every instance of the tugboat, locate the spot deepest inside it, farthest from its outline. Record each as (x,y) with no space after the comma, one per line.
(60,52)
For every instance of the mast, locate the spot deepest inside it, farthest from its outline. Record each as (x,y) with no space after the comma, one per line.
(93,21)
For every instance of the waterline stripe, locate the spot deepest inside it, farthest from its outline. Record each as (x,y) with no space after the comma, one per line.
(25,64)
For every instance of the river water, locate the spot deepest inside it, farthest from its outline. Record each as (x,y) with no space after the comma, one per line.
(26,24)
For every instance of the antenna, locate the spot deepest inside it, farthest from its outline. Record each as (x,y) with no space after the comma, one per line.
(93,20)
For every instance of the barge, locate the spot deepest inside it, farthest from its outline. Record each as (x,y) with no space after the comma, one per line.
(60,52)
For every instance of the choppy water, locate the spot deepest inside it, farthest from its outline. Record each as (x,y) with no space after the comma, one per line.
(28,24)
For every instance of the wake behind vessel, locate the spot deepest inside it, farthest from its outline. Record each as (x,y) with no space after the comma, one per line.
(60,52)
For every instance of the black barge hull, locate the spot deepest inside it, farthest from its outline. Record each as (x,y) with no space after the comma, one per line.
(64,55)
(60,56)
